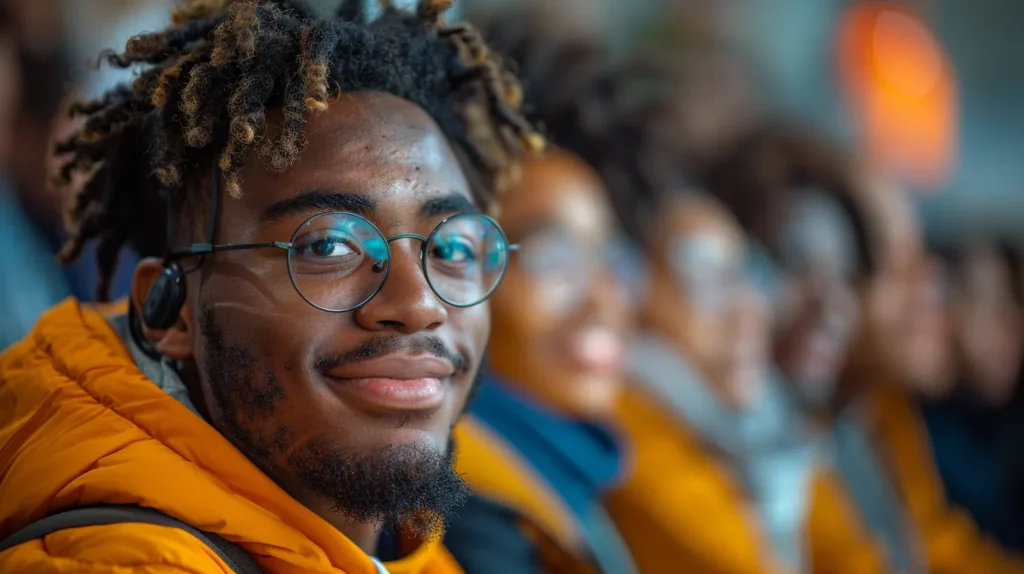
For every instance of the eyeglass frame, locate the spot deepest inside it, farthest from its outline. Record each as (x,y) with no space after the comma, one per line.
(201,249)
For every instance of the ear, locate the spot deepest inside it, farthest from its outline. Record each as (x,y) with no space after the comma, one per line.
(175,343)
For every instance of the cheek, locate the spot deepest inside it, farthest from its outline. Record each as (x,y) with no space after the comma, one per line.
(525,308)
(704,332)
(472,329)
(882,302)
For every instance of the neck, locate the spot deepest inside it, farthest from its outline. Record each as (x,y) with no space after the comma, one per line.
(364,534)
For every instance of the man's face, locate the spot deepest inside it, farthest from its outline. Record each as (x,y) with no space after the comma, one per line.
(346,411)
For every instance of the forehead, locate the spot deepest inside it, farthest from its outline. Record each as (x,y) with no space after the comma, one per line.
(818,225)
(365,143)
(699,217)
(893,218)
(557,190)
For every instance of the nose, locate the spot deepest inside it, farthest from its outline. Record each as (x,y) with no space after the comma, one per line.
(836,302)
(928,275)
(605,297)
(749,312)
(405,303)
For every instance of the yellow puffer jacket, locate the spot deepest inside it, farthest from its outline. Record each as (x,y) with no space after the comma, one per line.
(496,471)
(683,511)
(952,542)
(80,425)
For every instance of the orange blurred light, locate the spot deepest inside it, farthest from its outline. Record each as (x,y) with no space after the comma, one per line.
(901,90)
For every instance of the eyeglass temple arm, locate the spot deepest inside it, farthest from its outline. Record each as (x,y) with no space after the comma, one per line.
(204,248)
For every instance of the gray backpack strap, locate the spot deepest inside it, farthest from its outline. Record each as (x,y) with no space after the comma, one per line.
(232,554)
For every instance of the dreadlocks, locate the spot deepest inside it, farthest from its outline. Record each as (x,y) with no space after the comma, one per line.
(204,85)
(599,110)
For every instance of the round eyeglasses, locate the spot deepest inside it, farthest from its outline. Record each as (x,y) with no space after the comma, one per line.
(338,261)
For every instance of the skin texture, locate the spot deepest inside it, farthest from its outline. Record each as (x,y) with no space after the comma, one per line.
(817,312)
(905,335)
(989,325)
(263,365)
(700,299)
(560,318)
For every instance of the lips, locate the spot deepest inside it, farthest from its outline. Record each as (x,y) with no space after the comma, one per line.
(596,350)
(395,382)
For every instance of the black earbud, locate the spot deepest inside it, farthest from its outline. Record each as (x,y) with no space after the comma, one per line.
(163,304)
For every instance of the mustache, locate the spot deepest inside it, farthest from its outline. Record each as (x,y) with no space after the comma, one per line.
(383,346)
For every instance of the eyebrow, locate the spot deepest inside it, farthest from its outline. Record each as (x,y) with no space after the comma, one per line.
(538,226)
(318,200)
(447,205)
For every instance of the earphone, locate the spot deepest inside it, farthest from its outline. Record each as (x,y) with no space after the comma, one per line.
(163,304)
(165,299)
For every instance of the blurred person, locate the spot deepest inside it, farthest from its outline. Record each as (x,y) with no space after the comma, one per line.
(721,435)
(33,70)
(881,463)
(988,322)
(701,410)
(280,391)
(902,350)
(537,449)
(791,190)
(38,58)
(906,340)
(977,430)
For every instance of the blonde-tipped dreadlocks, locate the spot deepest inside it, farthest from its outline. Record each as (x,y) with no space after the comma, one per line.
(206,82)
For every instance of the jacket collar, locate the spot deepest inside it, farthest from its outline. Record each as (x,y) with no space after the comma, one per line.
(74,405)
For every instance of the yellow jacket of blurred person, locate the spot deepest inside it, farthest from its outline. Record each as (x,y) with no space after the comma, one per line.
(683,511)
(81,425)
(952,542)
(494,470)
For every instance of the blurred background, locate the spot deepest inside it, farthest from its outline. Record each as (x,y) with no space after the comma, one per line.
(793,53)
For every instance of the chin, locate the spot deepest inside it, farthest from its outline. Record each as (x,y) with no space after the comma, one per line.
(592,396)
(742,386)
(432,430)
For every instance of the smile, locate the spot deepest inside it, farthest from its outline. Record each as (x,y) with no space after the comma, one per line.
(395,383)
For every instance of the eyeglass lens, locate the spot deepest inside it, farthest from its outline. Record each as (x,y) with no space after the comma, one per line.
(338,261)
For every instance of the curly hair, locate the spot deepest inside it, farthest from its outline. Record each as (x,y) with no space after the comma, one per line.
(756,177)
(599,109)
(204,86)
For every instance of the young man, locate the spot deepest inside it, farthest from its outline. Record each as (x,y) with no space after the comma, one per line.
(304,328)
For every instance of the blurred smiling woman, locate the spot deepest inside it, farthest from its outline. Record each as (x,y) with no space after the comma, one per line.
(537,450)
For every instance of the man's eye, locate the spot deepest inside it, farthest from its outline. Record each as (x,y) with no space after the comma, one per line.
(453,251)
(328,244)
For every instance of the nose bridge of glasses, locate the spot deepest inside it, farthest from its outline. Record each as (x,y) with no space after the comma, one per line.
(416,236)
(391,240)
